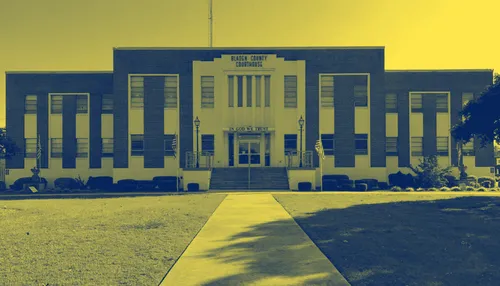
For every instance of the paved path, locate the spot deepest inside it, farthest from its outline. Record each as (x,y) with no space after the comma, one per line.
(252,240)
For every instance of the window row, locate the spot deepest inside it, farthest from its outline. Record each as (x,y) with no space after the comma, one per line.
(442,146)
(328,141)
(327,94)
(56,103)
(237,81)
(416,101)
(169,90)
(56,147)
(169,144)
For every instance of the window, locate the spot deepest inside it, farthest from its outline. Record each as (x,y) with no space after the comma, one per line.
(468,148)
(258,91)
(326,91)
(267,91)
(360,95)
(416,102)
(391,146)
(207,143)
(167,141)
(290,143)
(82,148)
(328,142)
(137,142)
(442,146)
(291,91)
(56,103)
(361,143)
(466,97)
(107,147)
(417,146)
(391,103)
(240,91)
(230,92)
(30,104)
(82,105)
(170,92)
(30,148)
(56,147)
(137,92)
(442,102)
(207,92)
(107,103)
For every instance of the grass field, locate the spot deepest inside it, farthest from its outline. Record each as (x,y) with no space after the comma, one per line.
(404,239)
(113,241)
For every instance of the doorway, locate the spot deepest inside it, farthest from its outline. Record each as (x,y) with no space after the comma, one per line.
(249,153)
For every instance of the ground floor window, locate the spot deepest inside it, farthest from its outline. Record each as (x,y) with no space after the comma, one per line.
(107,147)
(82,147)
(361,143)
(30,148)
(391,146)
(137,144)
(207,143)
(56,147)
(416,146)
(328,142)
(442,146)
(290,143)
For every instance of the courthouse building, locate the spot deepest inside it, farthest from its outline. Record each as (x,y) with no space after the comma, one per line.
(240,108)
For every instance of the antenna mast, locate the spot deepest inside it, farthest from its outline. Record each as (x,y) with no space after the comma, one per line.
(210,22)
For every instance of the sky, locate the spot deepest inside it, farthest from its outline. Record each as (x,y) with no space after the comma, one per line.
(53,35)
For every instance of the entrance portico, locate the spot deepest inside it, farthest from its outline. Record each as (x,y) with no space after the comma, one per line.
(248,146)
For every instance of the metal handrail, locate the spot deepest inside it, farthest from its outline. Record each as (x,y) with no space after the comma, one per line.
(293,159)
(205,160)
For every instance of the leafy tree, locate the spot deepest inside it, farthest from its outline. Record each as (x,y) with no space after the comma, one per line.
(429,174)
(7,147)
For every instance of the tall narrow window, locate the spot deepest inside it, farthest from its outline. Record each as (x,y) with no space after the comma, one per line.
(291,91)
(56,102)
(267,91)
(170,92)
(30,148)
(391,146)
(107,147)
(468,148)
(360,95)
(107,103)
(442,102)
(30,104)
(416,102)
(82,104)
(230,91)
(290,143)
(240,90)
(391,103)
(82,148)
(361,144)
(326,91)
(137,144)
(137,92)
(207,92)
(258,90)
(466,97)
(249,91)
(417,146)
(56,147)
(442,146)
(328,142)
(208,144)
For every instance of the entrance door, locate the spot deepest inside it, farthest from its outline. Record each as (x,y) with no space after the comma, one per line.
(249,153)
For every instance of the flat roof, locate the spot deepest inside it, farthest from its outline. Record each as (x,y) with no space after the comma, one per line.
(254,48)
(55,72)
(443,70)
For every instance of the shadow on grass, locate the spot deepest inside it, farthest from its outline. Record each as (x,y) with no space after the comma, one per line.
(47,196)
(440,242)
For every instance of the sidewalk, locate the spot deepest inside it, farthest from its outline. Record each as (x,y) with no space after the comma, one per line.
(252,240)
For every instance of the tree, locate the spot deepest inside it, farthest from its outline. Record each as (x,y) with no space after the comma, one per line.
(430,174)
(481,117)
(8,148)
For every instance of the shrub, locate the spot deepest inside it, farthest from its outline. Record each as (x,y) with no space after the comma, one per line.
(396,189)
(372,184)
(456,189)
(126,185)
(409,189)
(305,186)
(470,189)
(18,184)
(193,187)
(401,180)
(383,185)
(482,189)
(420,190)
(445,189)
(362,187)
(100,183)
(432,190)
(66,183)
(145,185)
(167,183)
(488,182)
(3,187)
(429,174)
(451,181)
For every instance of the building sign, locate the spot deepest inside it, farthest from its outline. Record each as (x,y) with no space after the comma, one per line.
(248,129)
(245,61)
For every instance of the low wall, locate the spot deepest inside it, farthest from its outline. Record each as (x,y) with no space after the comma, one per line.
(202,177)
(295,176)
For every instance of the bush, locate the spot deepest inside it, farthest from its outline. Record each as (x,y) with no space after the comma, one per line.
(401,180)
(445,189)
(193,187)
(420,190)
(126,185)
(305,186)
(18,184)
(470,189)
(372,184)
(452,181)
(145,185)
(3,187)
(409,189)
(383,185)
(396,189)
(432,190)
(361,187)
(66,183)
(429,174)
(482,189)
(330,185)
(488,182)
(100,183)
(167,183)
(456,189)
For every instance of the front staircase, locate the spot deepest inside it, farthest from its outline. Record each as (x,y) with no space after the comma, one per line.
(266,178)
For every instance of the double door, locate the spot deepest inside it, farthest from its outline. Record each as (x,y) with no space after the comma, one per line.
(249,153)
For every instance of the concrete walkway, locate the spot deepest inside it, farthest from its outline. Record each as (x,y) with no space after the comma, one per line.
(252,240)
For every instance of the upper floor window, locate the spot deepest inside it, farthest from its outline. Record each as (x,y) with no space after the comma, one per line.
(258,91)
(416,102)
(328,142)
(137,92)
(208,143)
(30,104)
(361,144)
(417,146)
(30,147)
(230,91)
(442,102)
(170,92)
(207,92)
(360,95)
(107,103)
(391,146)
(290,143)
(107,147)
(240,90)
(56,147)
(82,105)
(267,91)
(249,91)
(291,91)
(56,104)
(391,103)
(82,147)
(466,97)
(137,144)
(326,91)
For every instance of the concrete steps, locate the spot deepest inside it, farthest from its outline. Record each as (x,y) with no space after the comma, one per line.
(238,179)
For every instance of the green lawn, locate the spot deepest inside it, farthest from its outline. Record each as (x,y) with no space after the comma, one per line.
(404,239)
(128,241)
